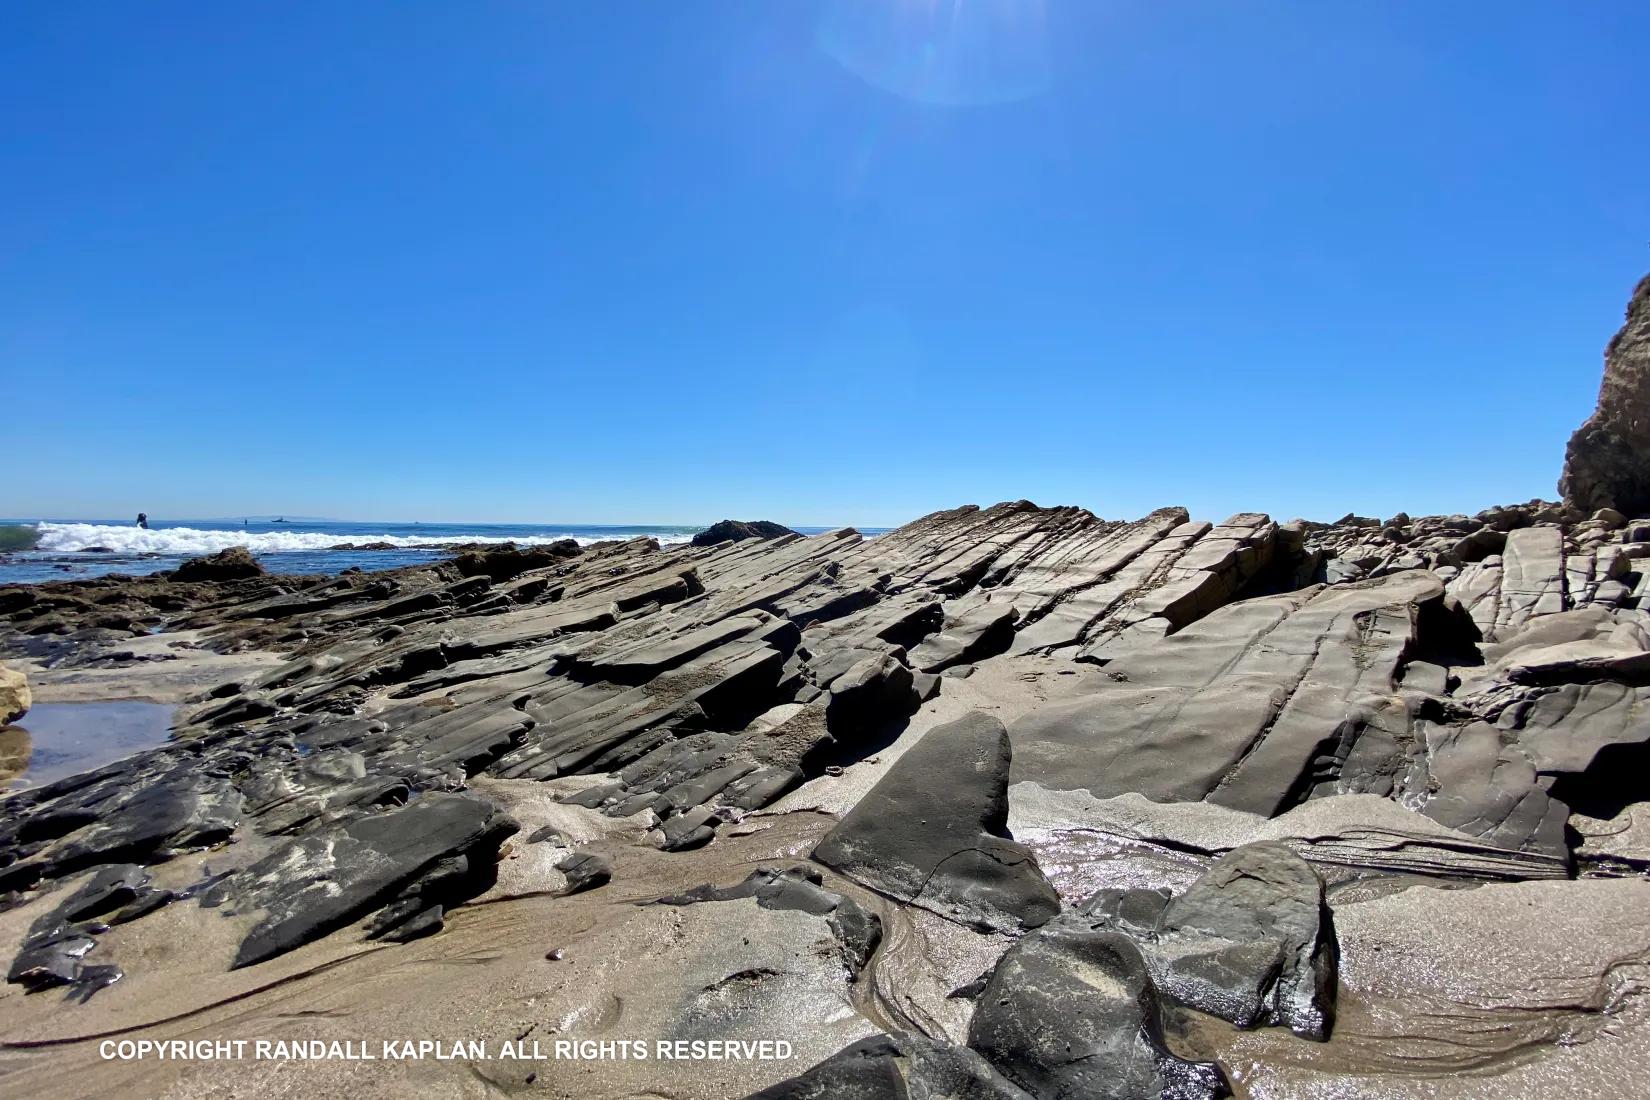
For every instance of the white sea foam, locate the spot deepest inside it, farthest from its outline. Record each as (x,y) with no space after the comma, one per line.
(190,541)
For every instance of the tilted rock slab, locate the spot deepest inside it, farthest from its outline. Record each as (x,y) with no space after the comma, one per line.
(1271,701)
(409,862)
(1237,708)
(934,832)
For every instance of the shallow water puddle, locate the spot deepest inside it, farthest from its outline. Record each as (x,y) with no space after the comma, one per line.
(54,740)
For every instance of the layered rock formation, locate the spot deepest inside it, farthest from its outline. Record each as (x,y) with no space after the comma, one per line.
(1009,802)
(1480,678)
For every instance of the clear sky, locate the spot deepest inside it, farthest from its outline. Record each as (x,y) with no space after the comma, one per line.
(836,262)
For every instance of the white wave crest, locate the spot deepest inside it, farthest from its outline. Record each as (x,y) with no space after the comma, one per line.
(190,541)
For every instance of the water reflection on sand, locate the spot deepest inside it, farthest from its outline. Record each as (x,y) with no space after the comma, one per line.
(54,740)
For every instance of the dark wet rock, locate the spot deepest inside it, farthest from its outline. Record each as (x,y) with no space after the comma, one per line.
(55,947)
(897,1067)
(733,530)
(417,924)
(235,563)
(876,688)
(1607,462)
(1251,941)
(107,817)
(858,930)
(934,832)
(686,831)
(437,847)
(585,870)
(1071,1010)
(548,833)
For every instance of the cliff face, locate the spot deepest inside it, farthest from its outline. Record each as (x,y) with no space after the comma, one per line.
(1607,464)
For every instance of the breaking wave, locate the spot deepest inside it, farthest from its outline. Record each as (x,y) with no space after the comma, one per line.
(190,541)
(14,536)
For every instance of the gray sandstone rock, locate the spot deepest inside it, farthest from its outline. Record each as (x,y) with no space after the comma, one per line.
(1251,941)
(933,832)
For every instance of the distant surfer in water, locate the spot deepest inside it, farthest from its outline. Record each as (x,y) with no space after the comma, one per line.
(143,520)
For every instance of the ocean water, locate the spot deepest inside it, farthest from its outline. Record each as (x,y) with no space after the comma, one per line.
(53,550)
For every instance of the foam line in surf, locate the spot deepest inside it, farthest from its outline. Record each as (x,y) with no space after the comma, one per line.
(191,541)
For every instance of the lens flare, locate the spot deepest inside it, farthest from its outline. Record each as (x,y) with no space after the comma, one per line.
(952,53)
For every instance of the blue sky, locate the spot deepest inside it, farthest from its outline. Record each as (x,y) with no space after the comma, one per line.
(816,262)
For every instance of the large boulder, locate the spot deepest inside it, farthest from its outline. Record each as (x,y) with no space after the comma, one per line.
(14,695)
(736,530)
(934,832)
(1607,464)
(233,564)
(1251,941)
(1071,1010)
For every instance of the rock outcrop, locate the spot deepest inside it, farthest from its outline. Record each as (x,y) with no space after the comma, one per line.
(1607,463)
(1228,743)
(733,530)
(234,564)
(408,865)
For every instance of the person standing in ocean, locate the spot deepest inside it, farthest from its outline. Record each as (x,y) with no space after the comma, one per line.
(143,520)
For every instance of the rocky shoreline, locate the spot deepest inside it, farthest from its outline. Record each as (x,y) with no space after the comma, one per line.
(1010,801)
